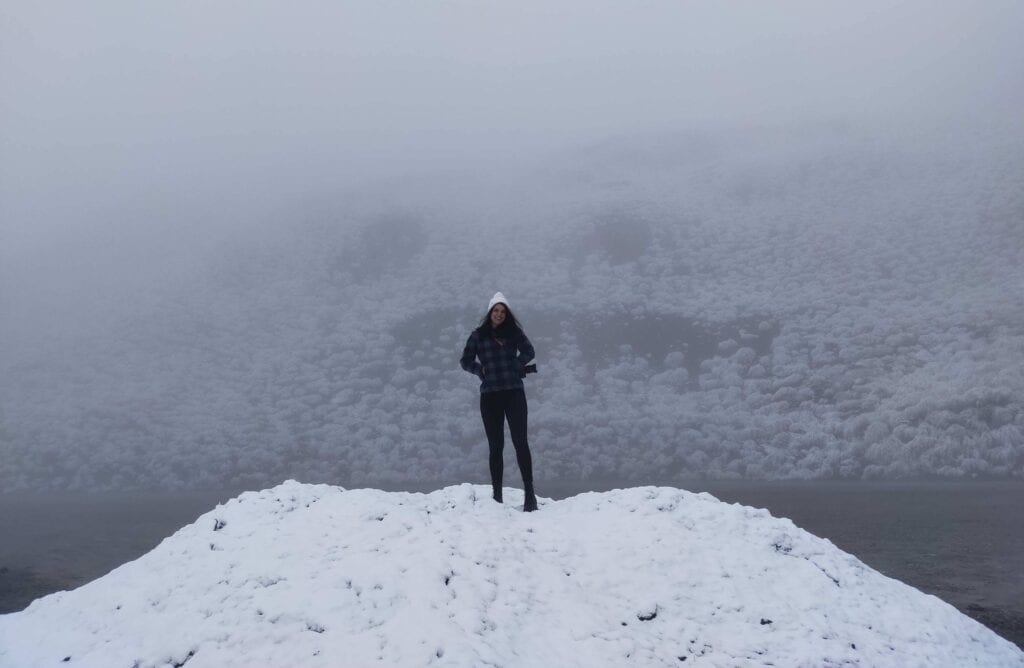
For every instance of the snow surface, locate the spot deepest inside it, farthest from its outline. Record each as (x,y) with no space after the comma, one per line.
(314,575)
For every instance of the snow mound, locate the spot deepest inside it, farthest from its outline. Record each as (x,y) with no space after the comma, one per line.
(313,575)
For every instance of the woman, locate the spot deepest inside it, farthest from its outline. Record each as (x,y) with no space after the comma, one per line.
(503,352)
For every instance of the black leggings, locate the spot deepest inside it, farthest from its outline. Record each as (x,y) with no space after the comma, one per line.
(494,408)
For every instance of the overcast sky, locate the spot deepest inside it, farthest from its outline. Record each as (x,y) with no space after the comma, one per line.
(123,124)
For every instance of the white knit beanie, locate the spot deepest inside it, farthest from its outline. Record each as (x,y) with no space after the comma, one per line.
(498,298)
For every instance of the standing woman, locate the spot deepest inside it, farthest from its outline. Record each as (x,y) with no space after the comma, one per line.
(503,352)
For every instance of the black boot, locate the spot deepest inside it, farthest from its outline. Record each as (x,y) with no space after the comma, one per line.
(497,494)
(530,503)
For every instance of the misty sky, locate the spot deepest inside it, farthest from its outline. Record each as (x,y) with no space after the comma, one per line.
(181,182)
(125,114)
(134,135)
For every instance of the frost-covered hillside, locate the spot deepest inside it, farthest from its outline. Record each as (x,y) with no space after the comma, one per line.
(834,302)
(303,575)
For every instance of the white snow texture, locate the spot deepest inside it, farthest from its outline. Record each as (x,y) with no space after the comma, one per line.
(843,303)
(304,575)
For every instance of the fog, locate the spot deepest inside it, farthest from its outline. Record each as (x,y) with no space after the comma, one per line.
(244,242)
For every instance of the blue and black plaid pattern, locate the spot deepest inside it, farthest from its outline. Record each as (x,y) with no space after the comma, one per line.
(500,367)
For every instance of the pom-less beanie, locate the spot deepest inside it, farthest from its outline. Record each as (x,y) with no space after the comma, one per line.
(498,298)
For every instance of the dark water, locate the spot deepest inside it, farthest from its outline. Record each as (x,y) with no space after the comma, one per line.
(963,542)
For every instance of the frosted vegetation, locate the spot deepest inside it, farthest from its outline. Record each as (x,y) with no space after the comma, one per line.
(833,302)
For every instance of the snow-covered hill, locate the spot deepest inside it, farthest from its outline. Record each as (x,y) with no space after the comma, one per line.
(303,575)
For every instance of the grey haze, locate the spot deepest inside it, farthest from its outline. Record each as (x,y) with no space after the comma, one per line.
(241,242)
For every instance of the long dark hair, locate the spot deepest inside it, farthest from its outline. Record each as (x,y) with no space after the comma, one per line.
(508,329)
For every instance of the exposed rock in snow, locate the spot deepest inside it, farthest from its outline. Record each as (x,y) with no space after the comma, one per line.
(303,575)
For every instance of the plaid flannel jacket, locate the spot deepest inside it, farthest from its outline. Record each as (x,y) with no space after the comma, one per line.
(501,360)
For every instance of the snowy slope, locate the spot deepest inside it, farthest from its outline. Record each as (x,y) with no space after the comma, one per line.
(303,575)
